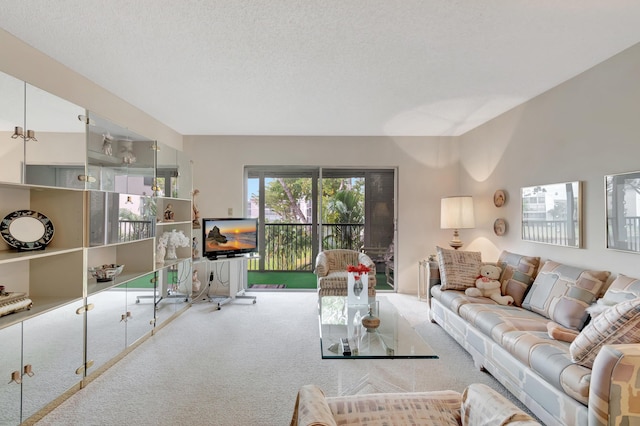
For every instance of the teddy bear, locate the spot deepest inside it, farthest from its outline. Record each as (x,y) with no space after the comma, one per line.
(487,285)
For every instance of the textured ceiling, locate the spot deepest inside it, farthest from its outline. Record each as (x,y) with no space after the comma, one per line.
(325,67)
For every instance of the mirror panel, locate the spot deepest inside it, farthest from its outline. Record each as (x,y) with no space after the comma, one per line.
(623,211)
(167,171)
(54,140)
(185,179)
(118,159)
(118,218)
(11,116)
(552,214)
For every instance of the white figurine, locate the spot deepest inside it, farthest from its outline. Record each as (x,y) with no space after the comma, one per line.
(107,148)
(161,251)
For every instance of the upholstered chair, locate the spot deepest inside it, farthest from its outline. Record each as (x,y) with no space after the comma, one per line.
(331,270)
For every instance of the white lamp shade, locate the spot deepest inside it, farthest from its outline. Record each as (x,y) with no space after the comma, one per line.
(456,212)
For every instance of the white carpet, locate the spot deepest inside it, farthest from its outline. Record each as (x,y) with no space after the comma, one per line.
(243,365)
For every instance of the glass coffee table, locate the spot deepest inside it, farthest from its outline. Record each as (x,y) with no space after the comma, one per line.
(394,338)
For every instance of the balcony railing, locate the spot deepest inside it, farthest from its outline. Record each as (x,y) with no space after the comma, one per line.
(131,230)
(626,239)
(288,245)
(550,231)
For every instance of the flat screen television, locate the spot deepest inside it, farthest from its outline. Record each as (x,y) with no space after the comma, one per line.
(229,237)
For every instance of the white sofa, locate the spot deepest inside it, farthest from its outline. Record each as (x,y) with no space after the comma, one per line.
(513,344)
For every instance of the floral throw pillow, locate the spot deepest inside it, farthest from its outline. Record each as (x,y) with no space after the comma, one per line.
(458,269)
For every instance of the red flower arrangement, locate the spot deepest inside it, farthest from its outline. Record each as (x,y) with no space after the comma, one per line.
(358,270)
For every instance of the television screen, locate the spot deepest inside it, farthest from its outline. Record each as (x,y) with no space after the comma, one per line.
(229,237)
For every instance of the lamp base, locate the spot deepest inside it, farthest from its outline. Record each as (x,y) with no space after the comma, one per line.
(455,242)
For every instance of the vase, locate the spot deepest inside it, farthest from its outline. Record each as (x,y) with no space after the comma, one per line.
(357,287)
(171,252)
(370,321)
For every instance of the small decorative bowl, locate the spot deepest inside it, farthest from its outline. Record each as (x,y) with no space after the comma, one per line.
(106,273)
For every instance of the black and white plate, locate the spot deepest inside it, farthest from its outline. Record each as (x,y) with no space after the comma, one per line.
(26,230)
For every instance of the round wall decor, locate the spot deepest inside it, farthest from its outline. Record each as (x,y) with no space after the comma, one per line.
(500,227)
(499,198)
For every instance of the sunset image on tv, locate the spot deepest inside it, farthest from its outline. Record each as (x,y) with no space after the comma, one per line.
(230,234)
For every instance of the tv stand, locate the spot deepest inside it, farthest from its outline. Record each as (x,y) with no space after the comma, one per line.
(225,278)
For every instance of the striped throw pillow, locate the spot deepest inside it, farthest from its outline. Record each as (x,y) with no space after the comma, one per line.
(619,324)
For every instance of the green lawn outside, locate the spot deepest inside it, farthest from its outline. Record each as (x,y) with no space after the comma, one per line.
(300,280)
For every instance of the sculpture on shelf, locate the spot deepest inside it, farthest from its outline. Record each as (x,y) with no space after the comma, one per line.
(196,212)
(107,148)
(168,213)
(195,282)
(161,251)
(173,240)
(195,253)
(126,152)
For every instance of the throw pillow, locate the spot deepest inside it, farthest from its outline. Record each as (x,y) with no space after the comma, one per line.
(458,269)
(558,332)
(518,272)
(562,293)
(621,289)
(619,324)
(481,405)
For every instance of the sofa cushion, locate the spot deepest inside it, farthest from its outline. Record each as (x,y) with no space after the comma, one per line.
(563,293)
(429,408)
(458,269)
(454,299)
(496,320)
(621,289)
(619,324)
(518,272)
(482,405)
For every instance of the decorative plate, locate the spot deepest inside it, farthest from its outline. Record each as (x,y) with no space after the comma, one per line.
(499,198)
(500,227)
(26,230)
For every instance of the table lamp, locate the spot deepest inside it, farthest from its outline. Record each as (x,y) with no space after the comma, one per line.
(456,213)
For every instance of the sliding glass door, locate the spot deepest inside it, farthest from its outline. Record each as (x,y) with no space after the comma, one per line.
(304,210)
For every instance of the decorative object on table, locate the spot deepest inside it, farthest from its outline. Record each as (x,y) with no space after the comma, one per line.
(488,285)
(161,251)
(499,198)
(195,282)
(173,240)
(357,284)
(196,213)
(370,321)
(500,227)
(456,213)
(168,213)
(26,230)
(107,144)
(105,273)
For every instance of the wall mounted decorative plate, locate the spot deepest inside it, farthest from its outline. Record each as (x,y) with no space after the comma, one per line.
(499,198)
(26,230)
(500,227)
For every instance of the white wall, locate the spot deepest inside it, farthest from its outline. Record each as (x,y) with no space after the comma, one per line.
(427,170)
(582,130)
(26,63)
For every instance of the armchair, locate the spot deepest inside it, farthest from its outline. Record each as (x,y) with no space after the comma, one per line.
(331,270)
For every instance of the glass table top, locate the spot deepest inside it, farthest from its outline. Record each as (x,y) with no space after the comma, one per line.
(394,338)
